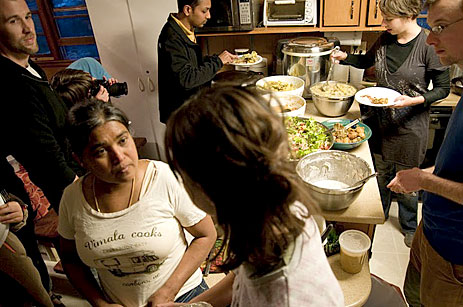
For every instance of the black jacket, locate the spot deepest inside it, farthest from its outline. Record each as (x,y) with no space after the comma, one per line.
(182,68)
(33,125)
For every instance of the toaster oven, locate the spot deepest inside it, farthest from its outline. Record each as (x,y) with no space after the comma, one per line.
(290,12)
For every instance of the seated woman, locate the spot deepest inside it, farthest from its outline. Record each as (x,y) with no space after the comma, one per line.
(127,219)
(231,150)
(21,283)
(74,85)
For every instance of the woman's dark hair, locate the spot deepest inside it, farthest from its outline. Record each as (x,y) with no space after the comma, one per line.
(182,3)
(88,115)
(72,85)
(230,142)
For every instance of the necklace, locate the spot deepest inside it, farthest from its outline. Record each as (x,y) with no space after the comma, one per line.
(96,200)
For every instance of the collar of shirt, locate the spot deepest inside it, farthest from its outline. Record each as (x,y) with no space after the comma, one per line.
(189,34)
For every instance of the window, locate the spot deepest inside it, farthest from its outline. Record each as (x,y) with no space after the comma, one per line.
(64,30)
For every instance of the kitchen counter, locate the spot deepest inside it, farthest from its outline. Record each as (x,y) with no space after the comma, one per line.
(355,287)
(367,208)
(450,101)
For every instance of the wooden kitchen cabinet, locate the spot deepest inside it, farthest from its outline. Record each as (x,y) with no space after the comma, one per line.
(341,13)
(374,17)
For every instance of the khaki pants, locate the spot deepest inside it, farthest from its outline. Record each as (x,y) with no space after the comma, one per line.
(20,267)
(431,280)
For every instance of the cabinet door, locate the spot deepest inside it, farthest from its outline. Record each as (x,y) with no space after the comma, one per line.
(341,13)
(374,13)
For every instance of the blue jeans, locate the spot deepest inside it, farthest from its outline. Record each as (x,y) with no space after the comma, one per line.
(185,298)
(408,203)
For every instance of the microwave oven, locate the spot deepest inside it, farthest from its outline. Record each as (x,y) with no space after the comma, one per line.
(232,16)
(290,12)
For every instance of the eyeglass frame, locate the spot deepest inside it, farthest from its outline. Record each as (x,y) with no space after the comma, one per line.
(436,30)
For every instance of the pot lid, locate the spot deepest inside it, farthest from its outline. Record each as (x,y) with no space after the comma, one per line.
(237,77)
(308,46)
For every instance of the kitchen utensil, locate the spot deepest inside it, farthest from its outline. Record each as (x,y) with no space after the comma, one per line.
(364,180)
(329,176)
(345,122)
(330,72)
(456,85)
(331,107)
(326,232)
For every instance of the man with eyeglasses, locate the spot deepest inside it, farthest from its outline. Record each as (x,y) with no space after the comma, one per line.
(435,271)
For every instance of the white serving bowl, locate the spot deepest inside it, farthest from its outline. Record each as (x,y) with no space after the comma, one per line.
(295,82)
(288,104)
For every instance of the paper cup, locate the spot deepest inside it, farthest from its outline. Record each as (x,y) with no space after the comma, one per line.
(354,246)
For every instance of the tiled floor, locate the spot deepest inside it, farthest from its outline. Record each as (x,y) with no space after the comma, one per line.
(389,253)
(389,260)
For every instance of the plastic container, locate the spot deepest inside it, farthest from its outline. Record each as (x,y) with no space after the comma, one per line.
(354,246)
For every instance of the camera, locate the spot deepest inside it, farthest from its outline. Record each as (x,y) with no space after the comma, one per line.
(116,89)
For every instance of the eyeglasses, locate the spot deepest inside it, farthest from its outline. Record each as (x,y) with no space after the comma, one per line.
(438,29)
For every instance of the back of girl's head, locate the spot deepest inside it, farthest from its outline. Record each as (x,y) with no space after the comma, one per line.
(88,115)
(72,85)
(230,142)
(401,8)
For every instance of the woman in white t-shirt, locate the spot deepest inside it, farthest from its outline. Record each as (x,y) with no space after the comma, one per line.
(126,219)
(231,150)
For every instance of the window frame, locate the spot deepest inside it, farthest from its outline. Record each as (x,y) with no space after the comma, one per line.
(45,12)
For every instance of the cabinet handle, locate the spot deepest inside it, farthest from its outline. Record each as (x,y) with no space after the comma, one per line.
(141,86)
(376,9)
(352,9)
(150,84)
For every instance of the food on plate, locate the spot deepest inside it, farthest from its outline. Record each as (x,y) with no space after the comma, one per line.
(278,86)
(305,135)
(333,90)
(248,58)
(376,100)
(287,104)
(350,135)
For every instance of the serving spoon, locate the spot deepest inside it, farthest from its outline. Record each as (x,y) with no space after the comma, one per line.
(330,72)
(362,181)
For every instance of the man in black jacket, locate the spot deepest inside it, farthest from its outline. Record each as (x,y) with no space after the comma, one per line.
(33,119)
(182,68)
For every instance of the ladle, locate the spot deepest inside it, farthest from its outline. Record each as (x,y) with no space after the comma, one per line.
(362,181)
(330,72)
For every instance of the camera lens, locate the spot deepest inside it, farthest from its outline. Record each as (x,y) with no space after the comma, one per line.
(118,89)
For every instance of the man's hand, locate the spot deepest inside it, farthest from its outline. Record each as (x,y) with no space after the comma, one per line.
(11,212)
(407,181)
(103,94)
(227,57)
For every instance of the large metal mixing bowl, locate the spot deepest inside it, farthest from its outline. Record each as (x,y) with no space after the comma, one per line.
(333,166)
(330,106)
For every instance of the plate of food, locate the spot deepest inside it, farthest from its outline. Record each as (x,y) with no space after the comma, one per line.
(347,138)
(306,135)
(247,59)
(377,96)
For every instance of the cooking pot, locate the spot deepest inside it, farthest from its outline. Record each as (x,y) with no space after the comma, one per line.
(309,59)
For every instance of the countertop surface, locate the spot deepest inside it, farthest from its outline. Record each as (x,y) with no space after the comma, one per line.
(367,208)
(355,287)
(450,101)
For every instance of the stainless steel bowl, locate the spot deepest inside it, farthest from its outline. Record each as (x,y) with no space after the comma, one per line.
(336,167)
(329,106)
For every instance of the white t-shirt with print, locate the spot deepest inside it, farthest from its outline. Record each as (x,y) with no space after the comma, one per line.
(307,280)
(137,249)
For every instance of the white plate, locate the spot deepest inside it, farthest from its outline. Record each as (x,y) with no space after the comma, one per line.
(259,59)
(377,92)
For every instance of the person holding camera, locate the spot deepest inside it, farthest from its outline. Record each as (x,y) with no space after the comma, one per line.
(74,85)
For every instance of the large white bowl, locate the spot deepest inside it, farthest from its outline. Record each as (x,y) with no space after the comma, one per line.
(288,104)
(297,83)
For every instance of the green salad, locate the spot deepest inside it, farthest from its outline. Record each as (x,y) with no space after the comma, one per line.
(305,135)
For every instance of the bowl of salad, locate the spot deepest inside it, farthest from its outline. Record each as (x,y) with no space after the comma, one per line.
(306,135)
